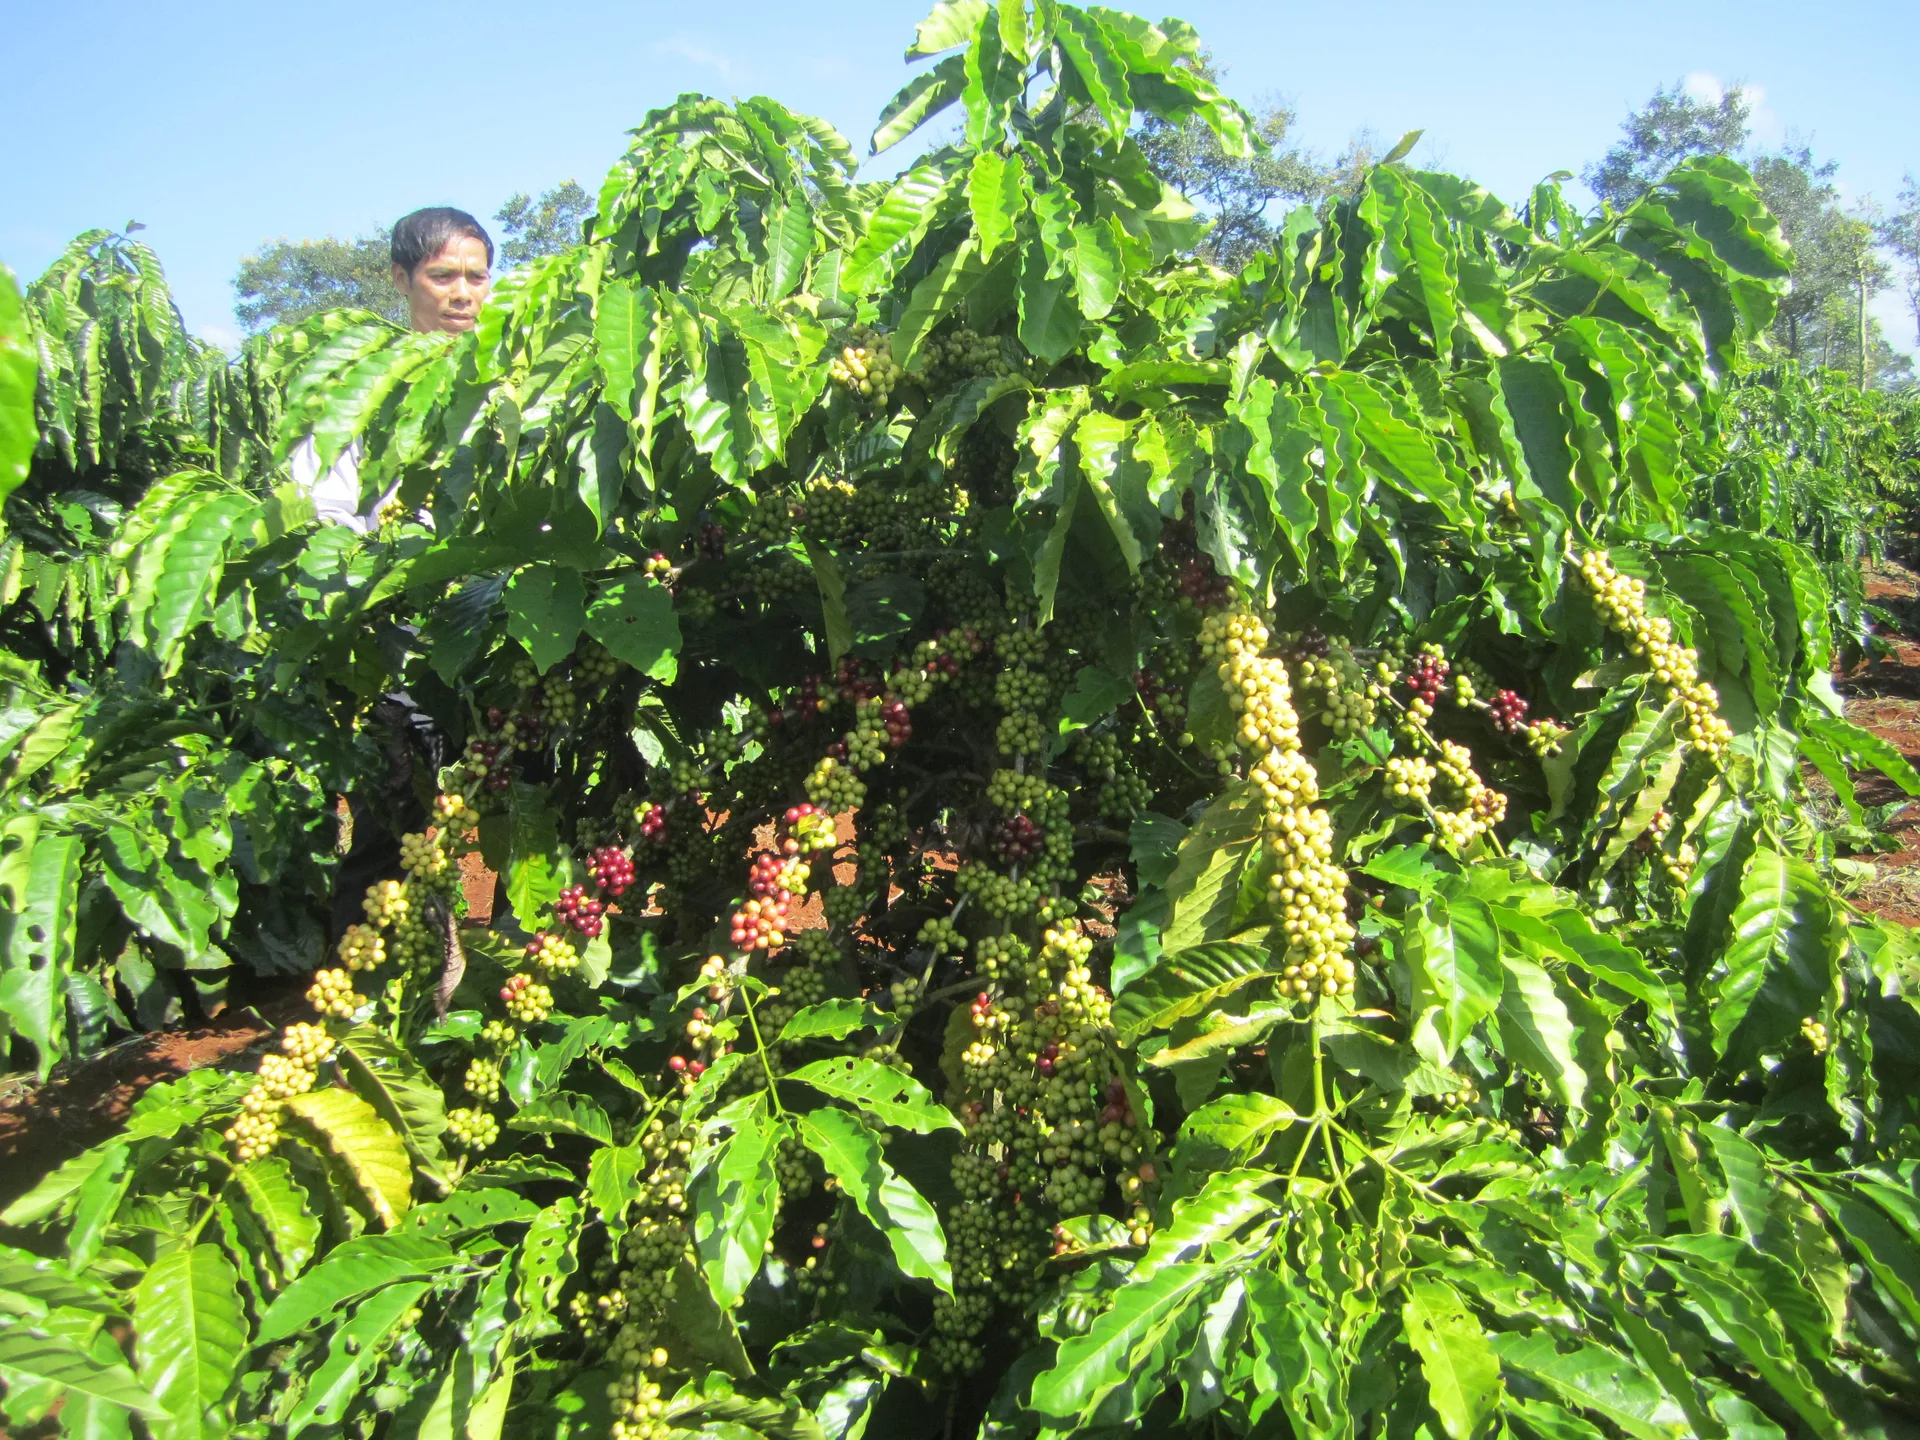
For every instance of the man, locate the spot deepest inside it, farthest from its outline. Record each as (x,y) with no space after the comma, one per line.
(443,264)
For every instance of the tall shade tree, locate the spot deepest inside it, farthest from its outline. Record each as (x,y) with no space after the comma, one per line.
(1900,233)
(1837,270)
(534,229)
(1671,127)
(1245,195)
(287,281)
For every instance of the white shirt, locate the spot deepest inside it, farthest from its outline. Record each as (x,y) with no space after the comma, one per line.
(336,494)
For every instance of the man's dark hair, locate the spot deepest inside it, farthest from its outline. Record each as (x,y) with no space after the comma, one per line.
(418,237)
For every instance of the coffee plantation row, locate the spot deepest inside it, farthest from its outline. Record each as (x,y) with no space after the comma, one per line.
(1090,846)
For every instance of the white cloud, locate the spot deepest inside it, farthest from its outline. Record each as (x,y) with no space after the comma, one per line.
(225,336)
(1768,128)
(1703,87)
(682,47)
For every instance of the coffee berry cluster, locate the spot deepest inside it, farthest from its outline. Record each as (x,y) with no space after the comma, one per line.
(883,717)
(1049,1128)
(865,366)
(1676,863)
(639,1276)
(1308,891)
(1622,603)
(304,1048)
(1346,702)
(961,354)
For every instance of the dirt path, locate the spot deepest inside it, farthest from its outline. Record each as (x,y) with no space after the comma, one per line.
(1884,696)
(42,1125)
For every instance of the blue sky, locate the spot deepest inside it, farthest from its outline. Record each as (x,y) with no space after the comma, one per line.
(221,124)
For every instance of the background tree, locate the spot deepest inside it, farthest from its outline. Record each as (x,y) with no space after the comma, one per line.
(1825,318)
(533,228)
(1900,233)
(285,281)
(1239,193)
(1802,196)
(1837,269)
(1671,127)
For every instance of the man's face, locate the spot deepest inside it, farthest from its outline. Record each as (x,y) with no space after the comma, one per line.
(447,291)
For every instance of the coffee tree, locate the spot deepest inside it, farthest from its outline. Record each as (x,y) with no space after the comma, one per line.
(1089,845)
(161,776)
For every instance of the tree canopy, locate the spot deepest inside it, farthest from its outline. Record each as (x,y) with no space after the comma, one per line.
(534,229)
(1825,317)
(287,281)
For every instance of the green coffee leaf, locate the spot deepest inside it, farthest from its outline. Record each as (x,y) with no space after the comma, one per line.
(276,1204)
(36,942)
(1739,1313)
(1463,1373)
(1239,1125)
(189,1333)
(1088,1368)
(1225,1204)
(58,1192)
(1607,958)
(547,1256)
(732,1197)
(612,1175)
(1206,875)
(355,1350)
(349,1271)
(1154,847)
(634,619)
(1096,694)
(19,370)
(830,1020)
(853,1156)
(32,1353)
(367,1148)
(31,1285)
(1050,320)
(562,1112)
(1589,1377)
(388,1078)
(1295,1364)
(888,1095)
(1187,983)
(1223,1031)
(1863,747)
(731,1414)
(1779,964)
(1537,1030)
(1453,952)
(1407,865)
(1891,1256)
(627,335)
(949,23)
(477,1205)
(995,191)
(546,611)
